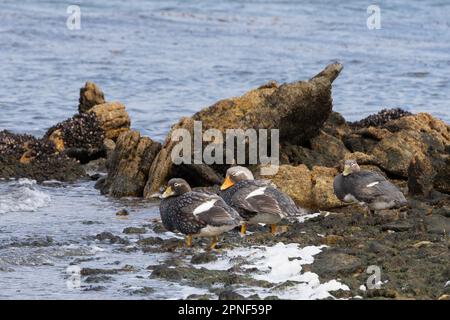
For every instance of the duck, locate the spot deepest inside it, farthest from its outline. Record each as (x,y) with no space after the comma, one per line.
(257,201)
(370,189)
(196,213)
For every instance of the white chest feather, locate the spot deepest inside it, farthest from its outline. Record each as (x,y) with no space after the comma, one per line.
(257,192)
(205,206)
(372,184)
(350,198)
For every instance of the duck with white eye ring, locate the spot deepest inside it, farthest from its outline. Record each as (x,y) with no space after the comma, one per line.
(196,213)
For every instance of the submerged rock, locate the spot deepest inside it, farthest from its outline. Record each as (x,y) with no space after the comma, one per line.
(129,165)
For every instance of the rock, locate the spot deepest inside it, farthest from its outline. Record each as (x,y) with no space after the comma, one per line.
(90,95)
(161,167)
(420,176)
(230,295)
(143,291)
(443,211)
(122,212)
(333,262)
(113,118)
(296,182)
(399,226)
(268,107)
(381,118)
(278,107)
(108,236)
(438,224)
(204,257)
(324,150)
(323,193)
(311,189)
(24,156)
(416,135)
(442,169)
(134,230)
(129,165)
(96,271)
(80,137)
(150,241)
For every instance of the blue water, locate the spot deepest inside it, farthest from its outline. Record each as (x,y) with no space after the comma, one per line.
(167,59)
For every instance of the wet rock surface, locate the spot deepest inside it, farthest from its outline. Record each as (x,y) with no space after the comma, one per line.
(24,156)
(129,165)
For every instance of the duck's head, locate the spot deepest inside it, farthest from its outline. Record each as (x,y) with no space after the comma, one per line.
(176,187)
(236,174)
(350,166)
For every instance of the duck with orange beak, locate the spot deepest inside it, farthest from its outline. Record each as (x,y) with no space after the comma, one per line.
(257,201)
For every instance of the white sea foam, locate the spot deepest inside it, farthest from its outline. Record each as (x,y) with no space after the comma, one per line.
(22,195)
(278,264)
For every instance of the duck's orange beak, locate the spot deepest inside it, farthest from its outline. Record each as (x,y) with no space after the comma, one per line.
(227,183)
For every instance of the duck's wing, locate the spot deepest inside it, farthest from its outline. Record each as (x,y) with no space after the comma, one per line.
(287,205)
(254,199)
(210,209)
(371,186)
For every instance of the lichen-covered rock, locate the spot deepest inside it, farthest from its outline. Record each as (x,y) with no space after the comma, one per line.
(24,156)
(80,137)
(90,95)
(420,176)
(311,189)
(297,109)
(113,118)
(129,165)
(419,134)
(323,194)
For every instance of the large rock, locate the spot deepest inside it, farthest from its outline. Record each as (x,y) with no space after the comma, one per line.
(420,134)
(90,95)
(297,109)
(311,189)
(325,150)
(113,119)
(163,167)
(129,164)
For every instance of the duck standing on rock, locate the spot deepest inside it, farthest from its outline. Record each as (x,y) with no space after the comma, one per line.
(368,188)
(257,201)
(195,213)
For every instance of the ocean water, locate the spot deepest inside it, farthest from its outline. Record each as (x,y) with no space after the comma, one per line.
(167,59)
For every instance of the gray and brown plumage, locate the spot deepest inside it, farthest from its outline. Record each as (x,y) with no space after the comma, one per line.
(257,201)
(195,213)
(368,188)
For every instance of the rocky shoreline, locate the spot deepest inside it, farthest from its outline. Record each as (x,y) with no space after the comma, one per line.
(411,245)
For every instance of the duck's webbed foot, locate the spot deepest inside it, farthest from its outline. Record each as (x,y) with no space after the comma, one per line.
(213,244)
(188,241)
